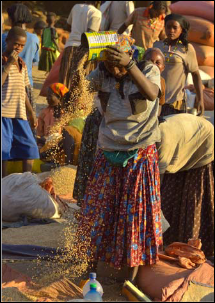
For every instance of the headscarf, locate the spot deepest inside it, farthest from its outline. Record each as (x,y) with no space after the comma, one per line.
(185,25)
(125,42)
(59,89)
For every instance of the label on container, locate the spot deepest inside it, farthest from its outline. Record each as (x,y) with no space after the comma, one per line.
(98,43)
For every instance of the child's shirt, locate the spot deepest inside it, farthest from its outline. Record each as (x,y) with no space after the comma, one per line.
(48,37)
(14,92)
(130,121)
(45,121)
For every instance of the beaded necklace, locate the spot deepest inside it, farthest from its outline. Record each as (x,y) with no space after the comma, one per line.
(170,53)
(152,23)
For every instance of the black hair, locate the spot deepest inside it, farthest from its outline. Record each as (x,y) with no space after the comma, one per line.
(160,5)
(40,25)
(49,16)
(185,25)
(16,31)
(19,14)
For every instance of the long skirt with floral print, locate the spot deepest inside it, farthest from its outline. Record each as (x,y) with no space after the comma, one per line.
(121,212)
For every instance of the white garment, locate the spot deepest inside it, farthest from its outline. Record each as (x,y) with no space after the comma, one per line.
(186,143)
(81,18)
(23,196)
(117,15)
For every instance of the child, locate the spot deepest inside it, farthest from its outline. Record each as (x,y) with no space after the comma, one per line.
(50,49)
(46,119)
(148,24)
(19,15)
(121,212)
(155,56)
(180,59)
(17,137)
(38,30)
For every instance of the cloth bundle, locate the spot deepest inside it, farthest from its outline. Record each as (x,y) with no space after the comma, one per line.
(186,255)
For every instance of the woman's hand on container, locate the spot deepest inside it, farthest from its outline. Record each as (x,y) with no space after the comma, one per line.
(117,56)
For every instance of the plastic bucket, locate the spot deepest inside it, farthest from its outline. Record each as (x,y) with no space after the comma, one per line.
(97,43)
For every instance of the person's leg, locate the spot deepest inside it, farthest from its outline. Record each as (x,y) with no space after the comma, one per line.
(27,165)
(132,274)
(4,169)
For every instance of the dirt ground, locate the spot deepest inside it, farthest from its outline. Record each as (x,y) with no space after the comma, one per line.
(50,235)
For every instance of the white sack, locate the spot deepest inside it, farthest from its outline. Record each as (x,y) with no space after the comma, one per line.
(22,195)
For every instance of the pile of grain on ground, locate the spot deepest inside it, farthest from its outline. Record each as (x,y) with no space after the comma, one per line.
(41,235)
(64,179)
(12,294)
(43,272)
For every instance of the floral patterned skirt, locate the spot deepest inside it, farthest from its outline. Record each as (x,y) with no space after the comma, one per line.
(121,212)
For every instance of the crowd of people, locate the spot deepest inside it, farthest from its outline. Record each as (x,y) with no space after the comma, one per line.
(130,166)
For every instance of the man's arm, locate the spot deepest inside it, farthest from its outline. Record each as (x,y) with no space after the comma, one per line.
(199,92)
(145,86)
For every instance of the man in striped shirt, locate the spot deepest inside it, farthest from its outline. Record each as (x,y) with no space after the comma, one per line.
(148,24)
(18,142)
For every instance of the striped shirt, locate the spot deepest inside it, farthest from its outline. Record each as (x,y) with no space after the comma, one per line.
(145,30)
(131,122)
(13,91)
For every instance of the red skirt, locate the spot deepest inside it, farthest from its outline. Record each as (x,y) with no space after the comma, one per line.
(121,212)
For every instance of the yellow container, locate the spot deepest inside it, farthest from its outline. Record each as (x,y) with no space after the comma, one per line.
(16,166)
(97,44)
